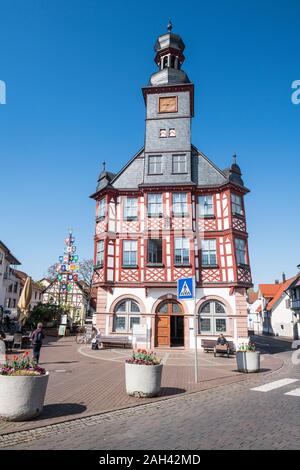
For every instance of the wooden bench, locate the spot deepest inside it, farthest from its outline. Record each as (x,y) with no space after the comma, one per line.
(115,341)
(209,345)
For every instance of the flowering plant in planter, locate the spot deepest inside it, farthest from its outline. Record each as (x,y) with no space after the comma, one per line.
(246,347)
(21,366)
(143,357)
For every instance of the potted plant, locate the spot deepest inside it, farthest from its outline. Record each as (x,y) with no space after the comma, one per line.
(143,372)
(247,358)
(23,387)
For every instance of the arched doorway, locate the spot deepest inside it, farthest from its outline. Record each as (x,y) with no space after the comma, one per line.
(169,324)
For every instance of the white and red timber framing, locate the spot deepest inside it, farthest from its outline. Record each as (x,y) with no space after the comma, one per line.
(194,226)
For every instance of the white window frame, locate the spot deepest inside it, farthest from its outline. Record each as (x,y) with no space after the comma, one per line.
(206,205)
(163,134)
(172,132)
(130,208)
(181,247)
(179,164)
(100,253)
(102,208)
(154,200)
(130,246)
(213,316)
(180,204)
(209,250)
(237,204)
(127,315)
(240,251)
(154,164)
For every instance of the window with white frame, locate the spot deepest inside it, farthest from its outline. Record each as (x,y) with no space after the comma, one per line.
(100,253)
(155,164)
(206,206)
(172,132)
(179,163)
(155,205)
(130,208)
(101,209)
(182,251)
(212,318)
(129,252)
(163,133)
(155,250)
(209,252)
(180,204)
(236,204)
(126,314)
(240,250)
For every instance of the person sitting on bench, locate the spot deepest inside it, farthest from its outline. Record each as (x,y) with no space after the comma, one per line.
(222,341)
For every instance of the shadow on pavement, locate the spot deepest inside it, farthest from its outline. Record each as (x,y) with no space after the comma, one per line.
(61,409)
(169,391)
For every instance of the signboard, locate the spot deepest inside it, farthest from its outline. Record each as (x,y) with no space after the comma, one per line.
(140,335)
(62,330)
(185,288)
(63,320)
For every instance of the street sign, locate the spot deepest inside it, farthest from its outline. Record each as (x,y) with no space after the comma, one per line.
(185,288)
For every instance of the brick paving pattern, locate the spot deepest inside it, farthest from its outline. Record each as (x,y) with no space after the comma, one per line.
(92,382)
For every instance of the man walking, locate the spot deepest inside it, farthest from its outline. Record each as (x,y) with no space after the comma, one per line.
(37,342)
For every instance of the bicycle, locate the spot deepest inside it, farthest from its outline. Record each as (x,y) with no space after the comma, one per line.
(83,337)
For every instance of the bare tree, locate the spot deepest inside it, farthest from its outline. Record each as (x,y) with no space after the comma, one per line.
(86,269)
(85,273)
(52,272)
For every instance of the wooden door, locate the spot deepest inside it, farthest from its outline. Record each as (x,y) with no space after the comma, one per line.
(162,330)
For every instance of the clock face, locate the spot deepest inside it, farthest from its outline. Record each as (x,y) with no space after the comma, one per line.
(168,104)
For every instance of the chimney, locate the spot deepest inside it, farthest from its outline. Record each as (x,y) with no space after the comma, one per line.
(283,277)
(276,281)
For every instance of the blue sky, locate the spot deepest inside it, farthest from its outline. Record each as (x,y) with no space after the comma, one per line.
(74,70)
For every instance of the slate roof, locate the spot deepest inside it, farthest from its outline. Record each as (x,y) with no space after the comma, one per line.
(204,174)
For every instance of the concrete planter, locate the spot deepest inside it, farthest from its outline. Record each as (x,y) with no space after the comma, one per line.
(143,381)
(248,361)
(21,397)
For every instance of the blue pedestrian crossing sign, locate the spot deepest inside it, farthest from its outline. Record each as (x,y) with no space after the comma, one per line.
(185,288)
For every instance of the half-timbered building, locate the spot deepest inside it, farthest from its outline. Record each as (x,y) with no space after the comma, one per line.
(169,213)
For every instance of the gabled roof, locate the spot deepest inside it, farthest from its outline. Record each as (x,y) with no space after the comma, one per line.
(22,276)
(268,290)
(8,255)
(274,292)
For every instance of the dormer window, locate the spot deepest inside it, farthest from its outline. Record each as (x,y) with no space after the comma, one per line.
(179,163)
(155,165)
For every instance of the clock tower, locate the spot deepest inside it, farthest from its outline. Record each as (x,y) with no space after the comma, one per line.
(169,99)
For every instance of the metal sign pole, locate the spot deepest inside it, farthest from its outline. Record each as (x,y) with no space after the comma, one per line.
(195,330)
(186,290)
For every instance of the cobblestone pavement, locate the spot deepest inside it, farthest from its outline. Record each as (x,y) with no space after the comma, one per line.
(229,417)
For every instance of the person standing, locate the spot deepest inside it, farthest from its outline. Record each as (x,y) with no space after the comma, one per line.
(37,341)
